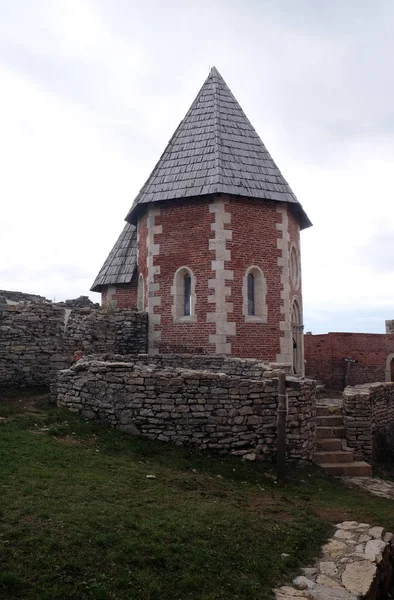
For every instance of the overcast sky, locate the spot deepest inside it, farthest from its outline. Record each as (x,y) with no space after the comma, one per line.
(91,92)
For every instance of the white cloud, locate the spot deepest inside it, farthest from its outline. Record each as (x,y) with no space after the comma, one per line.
(93,90)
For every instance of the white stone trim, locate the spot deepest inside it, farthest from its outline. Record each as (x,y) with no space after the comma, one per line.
(111,296)
(218,283)
(283,240)
(297,329)
(178,294)
(153,287)
(260,296)
(388,367)
(295,266)
(141,292)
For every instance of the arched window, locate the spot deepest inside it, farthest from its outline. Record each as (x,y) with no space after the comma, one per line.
(187,295)
(184,296)
(140,293)
(250,294)
(254,292)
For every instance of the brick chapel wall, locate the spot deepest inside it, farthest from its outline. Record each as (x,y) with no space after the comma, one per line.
(369,420)
(208,410)
(325,356)
(206,236)
(38,337)
(121,295)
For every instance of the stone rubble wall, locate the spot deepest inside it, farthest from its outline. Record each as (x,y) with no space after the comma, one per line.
(369,420)
(209,410)
(248,368)
(39,337)
(357,562)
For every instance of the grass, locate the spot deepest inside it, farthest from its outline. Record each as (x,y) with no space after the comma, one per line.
(80,519)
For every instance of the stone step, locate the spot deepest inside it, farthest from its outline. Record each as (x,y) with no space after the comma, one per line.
(323,433)
(330,421)
(330,444)
(323,410)
(334,456)
(353,469)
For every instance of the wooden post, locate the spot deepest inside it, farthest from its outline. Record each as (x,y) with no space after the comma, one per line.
(281,429)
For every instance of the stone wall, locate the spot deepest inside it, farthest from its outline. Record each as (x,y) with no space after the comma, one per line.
(209,410)
(249,368)
(370,355)
(38,337)
(369,420)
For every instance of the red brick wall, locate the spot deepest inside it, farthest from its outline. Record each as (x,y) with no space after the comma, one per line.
(184,241)
(123,296)
(325,354)
(254,242)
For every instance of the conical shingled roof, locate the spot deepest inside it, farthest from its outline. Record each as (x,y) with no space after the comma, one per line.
(215,149)
(121,262)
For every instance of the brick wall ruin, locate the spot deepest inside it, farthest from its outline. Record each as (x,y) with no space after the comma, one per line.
(231,414)
(38,337)
(369,420)
(370,357)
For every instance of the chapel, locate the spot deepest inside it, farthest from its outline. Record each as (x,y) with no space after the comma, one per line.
(211,245)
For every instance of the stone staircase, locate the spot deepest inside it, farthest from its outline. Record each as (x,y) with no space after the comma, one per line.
(332,453)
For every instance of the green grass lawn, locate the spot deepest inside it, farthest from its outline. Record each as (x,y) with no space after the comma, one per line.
(80,519)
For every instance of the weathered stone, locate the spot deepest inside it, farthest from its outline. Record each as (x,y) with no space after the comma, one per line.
(348,525)
(376,532)
(334,548)
(303,583)
(374,550)
(328,568)
(327,581)
(358,577)
(344,535)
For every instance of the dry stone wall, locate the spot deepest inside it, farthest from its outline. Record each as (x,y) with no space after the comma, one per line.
(369,420)
(38,337)
(209,410)
(249,368)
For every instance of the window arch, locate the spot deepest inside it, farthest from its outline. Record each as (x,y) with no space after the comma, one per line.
(251,294)
(184,296)
(254,296)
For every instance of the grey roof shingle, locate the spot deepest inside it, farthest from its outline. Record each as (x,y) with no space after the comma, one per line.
(121,262)
(215,149)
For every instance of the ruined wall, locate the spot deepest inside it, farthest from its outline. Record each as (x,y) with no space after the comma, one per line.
(369,420)
(209,410)
(38,337)
(249,368)
(325,358)
(30,333)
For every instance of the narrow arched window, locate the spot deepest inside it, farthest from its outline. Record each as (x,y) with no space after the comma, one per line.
(250,294)
(254,292)
(184,296)
(187,295)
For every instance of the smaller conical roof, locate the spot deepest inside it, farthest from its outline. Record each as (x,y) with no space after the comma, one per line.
(215,149)
(121,262)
